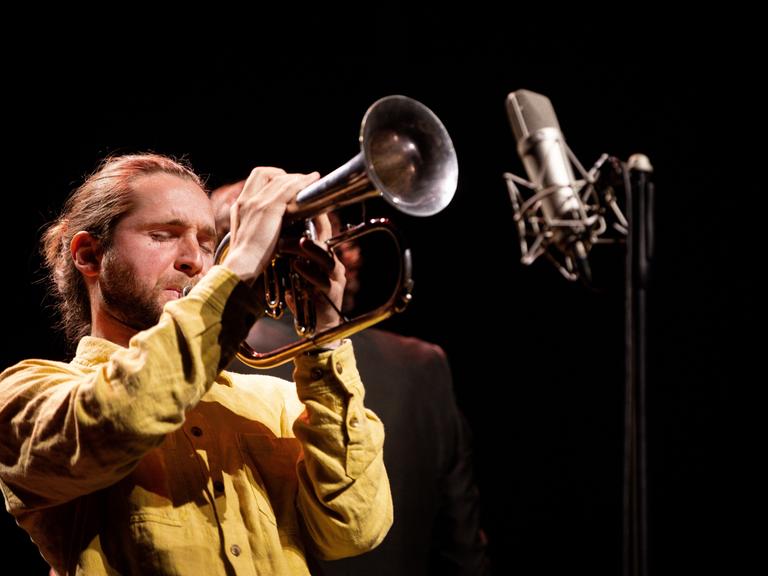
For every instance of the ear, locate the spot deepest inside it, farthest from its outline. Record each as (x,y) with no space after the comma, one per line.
(86,252)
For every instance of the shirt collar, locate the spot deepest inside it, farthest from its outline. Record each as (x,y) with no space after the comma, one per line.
(92,350)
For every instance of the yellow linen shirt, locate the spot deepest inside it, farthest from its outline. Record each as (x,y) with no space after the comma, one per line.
(147,460)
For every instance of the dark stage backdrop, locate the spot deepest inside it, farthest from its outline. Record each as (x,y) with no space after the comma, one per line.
(538,362)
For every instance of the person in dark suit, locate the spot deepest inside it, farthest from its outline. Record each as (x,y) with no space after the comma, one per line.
(427,453)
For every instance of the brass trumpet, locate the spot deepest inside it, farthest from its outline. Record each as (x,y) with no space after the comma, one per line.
(407,157)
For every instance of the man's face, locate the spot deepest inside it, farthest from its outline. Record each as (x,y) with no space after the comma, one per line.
(163,244)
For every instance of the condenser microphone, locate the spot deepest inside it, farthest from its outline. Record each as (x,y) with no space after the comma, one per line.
(542,149)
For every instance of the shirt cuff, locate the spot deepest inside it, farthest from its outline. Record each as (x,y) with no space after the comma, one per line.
(329,370)
(330,378)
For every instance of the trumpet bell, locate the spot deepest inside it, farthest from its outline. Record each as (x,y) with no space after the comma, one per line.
(406,156)
(409,155)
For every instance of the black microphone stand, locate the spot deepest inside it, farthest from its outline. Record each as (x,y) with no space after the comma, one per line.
(636,231)
(639,192)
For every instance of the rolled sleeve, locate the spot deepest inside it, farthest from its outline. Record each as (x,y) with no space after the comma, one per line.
(71,429)
(344,496)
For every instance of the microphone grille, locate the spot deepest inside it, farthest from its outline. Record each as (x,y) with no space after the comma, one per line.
(528,112)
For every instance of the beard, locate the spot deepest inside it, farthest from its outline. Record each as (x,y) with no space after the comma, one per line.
(126,299)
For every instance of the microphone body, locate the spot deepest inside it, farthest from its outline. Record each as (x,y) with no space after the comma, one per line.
(541,147)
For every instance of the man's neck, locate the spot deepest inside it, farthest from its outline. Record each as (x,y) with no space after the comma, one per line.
(112,329)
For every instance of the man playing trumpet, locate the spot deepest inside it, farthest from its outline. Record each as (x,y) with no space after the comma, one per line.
(141,456)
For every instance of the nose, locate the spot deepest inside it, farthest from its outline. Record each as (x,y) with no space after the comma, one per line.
(189,258)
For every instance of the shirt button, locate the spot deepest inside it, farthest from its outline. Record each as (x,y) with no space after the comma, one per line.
(196,431)
(339,367)
(218,485)
(316,373)
(235,549)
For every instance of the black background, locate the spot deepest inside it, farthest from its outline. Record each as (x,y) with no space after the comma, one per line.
(538,362)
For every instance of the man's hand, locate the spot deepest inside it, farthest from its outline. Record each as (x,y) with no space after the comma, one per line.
(256,216)
(253,211)
(322,270)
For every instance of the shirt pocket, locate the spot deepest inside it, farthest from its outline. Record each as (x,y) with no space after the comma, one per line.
(273,463)
(157,529)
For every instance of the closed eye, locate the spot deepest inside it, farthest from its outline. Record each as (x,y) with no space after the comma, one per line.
(160,236)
